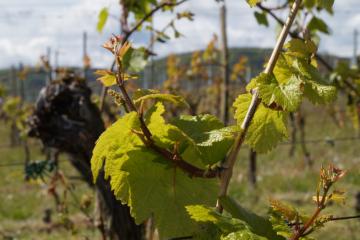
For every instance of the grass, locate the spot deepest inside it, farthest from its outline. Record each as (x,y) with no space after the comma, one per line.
(23,203)
(279,176)
(288,179)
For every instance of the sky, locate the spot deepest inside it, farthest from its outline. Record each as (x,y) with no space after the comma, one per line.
(28,28)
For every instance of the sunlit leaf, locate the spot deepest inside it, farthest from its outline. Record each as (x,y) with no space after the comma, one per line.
(102,19)
(267,128)
(177,100)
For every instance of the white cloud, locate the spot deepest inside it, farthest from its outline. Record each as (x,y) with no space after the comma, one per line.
(29,27)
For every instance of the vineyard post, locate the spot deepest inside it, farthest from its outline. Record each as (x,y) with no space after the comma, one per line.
(293,134)
(21,83)
(355,47)
(56,62)
(13,82)
(24,142)
(49,71)
(152,65)
(252,168)
(224,64)
(14,91)
(85,56)
(301,122)
(229,162)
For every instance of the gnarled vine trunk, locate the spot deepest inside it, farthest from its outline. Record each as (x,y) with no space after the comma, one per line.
(66,119)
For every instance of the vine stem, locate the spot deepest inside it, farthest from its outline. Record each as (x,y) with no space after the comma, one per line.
(321,205)
(173,157)
(127,33)
(344,218)
(229,162)
(150,14)
(332,218)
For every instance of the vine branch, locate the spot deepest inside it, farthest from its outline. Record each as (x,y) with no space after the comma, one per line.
(150,14)
(127,33)
(229,163)
(332,218)
(307,225)
(344,218)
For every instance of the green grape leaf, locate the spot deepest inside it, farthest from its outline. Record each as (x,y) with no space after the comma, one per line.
(166,193)
(110,140)
(338,196)
(106,78)
(212,139)
(279,225)
(102,19)
(207,231)
(168,135)
(140,7)
(177,100)
(143,92)
(287,211)
(134,59)
(317,24)
(195,125)
(287,95)
(243,235)
(326,4)
(267,128)
(315,88)
(165,135)
(319,93)
(138,60)
(252,84)
(300,48)
(309,4)
(204,214)
(312,85)
(261,18)
(129,164)
(257,224)
(223,227)
(284,69)
(253,3)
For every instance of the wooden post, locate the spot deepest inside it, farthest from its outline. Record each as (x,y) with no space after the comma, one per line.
(355,47)
(85,56)
(293,135)
(56,63)
(14,88)
(14,92)
(252,168)
(152,66)
(49,73)
(301,122)
(225,65)
(21,83)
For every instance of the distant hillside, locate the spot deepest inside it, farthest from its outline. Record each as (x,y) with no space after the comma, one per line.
(256,59)
(37,79)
